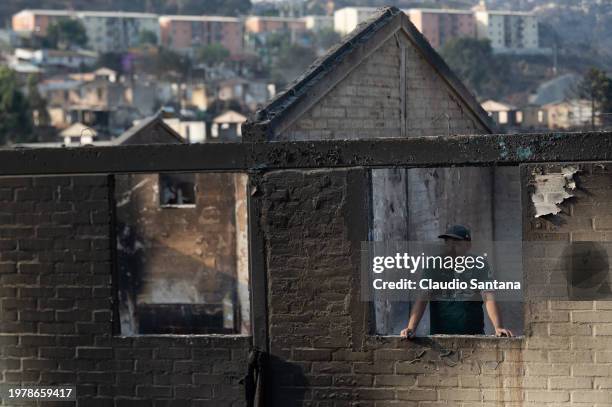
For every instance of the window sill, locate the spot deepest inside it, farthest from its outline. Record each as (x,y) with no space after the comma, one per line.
(176,206)
(485,337)
(215,336)
(209,340)
(445,341)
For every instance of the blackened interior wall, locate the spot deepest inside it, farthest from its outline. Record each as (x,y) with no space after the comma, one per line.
(184,255)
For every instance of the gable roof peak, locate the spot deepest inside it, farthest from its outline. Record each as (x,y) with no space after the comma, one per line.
(368,34)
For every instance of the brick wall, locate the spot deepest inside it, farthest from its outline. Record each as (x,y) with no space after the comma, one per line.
(56,298)
(56,312)
(368,102)
(575,335)
(316,326)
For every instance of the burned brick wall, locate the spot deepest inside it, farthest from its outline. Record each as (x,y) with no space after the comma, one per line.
(57,306)
(179,261)
(575,335)
(319,343)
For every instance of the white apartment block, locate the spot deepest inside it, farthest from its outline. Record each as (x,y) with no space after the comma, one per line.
(509,31)
(106,31)
(117,31)
(319,23)
(346,19)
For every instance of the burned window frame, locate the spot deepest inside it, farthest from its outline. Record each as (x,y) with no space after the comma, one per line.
(187,320)
(371,312)
(165,179)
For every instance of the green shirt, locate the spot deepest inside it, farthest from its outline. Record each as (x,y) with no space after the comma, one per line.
(458,312)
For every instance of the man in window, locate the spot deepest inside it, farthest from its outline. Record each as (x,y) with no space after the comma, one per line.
(457,312)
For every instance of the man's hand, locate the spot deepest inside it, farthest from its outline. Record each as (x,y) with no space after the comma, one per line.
(407,333)
(499,332)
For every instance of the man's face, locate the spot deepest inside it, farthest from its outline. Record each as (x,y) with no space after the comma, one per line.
(456,247)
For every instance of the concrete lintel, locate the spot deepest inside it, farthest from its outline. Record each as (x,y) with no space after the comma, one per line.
(441,151)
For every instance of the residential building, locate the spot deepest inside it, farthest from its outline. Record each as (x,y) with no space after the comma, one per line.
(186,33)
(441,25)
(569,114)
(56,58)
(106,30)
(117,31)
(192,131)
(249,92)
(265,24)
(25,69)
(142,96)
(37,21)
(96,99)
(60,93)
(509,31)
(227,126)
(534,117)
(347,18)
(107,74)
(198,96)
(505,115)
(319,23)
(78,134)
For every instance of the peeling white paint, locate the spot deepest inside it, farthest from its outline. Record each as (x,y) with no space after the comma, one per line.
(127,196)
(552,189)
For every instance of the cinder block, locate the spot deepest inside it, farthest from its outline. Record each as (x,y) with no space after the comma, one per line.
(547,396)
(417,394)
(570,383)
(591,396)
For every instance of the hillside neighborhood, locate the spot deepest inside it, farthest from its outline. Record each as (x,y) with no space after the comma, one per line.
(104,71)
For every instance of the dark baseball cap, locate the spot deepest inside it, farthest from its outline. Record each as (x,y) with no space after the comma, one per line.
(458,232)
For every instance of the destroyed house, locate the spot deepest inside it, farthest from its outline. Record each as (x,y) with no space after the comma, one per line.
(399,169)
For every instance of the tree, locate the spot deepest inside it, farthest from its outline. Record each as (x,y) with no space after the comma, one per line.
(112,60)
(474,63)
(166,63)
(38,104)
(15,113)
(147,37)
(326,38)
(596,87)
(66,34)
(292,60)
(213,54)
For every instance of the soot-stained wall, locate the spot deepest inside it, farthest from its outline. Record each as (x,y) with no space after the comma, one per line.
(182,261)
(57,306)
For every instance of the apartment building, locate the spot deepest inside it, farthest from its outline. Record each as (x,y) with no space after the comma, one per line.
(347,18)
(319,23)
(508,31)
(184,33)
(116,31)
(266,24)
(442,25)
(37,21)
(106,31)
